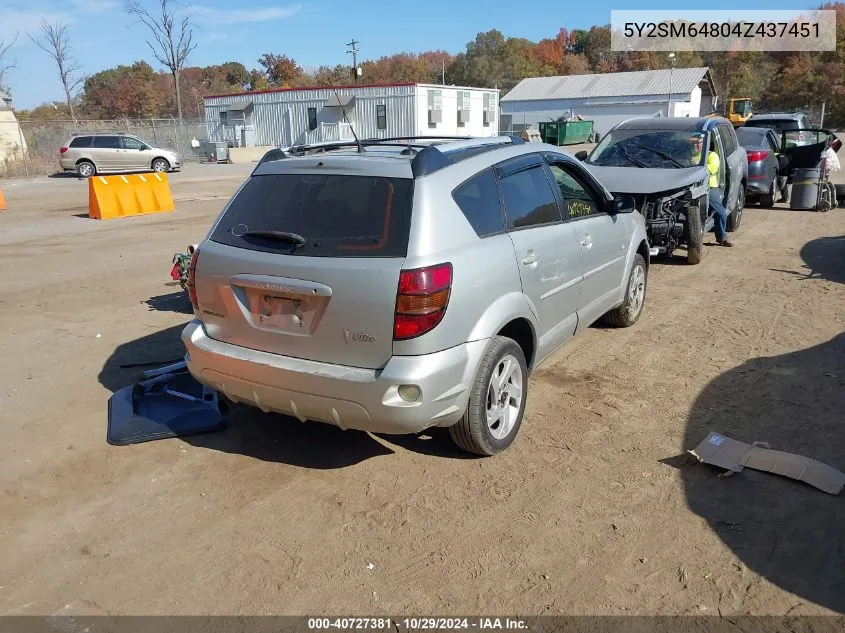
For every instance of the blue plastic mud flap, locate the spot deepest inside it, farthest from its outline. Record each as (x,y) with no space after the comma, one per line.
(171,404)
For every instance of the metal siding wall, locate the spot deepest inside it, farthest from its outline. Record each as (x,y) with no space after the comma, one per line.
(407,113)
(270,108)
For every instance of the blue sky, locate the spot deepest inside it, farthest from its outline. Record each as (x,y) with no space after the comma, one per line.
(313,32)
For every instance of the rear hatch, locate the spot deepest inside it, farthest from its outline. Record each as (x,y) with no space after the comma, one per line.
(307,265)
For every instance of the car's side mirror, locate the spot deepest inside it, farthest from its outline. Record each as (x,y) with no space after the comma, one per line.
(582,155)
(623,204)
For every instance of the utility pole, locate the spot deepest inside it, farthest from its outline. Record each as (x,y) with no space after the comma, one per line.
(671,72)
(443,76)
(821,121)
(353,48)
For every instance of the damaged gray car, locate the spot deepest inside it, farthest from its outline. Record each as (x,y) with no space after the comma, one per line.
(659,163)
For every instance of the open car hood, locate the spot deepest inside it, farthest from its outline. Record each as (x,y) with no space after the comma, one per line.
(646,179)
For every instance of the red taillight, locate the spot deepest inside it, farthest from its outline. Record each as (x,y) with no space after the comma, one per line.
(421,301)
(758,155)
(190,282)
(62,150)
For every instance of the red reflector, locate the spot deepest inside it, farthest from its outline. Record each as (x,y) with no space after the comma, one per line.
(423,281)
(174,273)
(62,150)
(758,155)
(191,281)
(409,326)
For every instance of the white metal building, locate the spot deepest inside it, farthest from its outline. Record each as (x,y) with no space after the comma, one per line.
(292,116)
(609,98)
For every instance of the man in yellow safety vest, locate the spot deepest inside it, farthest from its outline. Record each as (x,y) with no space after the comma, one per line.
(716,194)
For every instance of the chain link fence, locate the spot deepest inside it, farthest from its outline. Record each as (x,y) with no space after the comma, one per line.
(43,139)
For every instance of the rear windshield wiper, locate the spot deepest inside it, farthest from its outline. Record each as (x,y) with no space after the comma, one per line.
(282,236)
(662,155)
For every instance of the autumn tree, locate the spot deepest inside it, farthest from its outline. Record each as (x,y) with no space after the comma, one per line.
(53,39)
(172,38)
(332,76)
(258,80)
(281,70)
(492,60)
(123,91)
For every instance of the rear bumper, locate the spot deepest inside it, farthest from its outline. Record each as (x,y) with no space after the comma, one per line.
(349,397)
(758,186)
(68,164)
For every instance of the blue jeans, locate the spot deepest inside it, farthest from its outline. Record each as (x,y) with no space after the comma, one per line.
(720,214)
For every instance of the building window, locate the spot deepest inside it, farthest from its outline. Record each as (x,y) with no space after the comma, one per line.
(312,119)
(381,117)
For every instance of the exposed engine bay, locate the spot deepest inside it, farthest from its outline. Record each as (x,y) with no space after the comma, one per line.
(665,214)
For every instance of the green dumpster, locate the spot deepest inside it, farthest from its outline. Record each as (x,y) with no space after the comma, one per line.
(566,132)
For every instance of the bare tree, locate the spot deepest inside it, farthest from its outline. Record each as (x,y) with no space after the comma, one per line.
(54,41)
(5,63)
(172,39)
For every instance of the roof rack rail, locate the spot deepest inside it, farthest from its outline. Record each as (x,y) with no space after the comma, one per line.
(433,158)
(428,159)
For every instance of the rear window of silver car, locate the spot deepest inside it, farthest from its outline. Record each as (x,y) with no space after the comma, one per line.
(81,141)
(336,215)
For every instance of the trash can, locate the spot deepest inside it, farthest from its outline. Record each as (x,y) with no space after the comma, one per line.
(805,189)
(216,151)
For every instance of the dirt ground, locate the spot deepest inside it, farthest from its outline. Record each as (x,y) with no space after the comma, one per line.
(594,509)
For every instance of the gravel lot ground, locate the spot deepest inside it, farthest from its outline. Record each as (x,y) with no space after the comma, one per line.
(594,509)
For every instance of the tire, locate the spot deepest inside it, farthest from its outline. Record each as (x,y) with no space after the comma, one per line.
(480,429)
(695,234)
(735,218)
(629,312)
(86,169)
(160,165)
(768,201)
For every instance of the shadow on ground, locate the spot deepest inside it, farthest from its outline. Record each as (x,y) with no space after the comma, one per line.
(172,302)
(267,436)
(825,258)
(128,360)
(788,532)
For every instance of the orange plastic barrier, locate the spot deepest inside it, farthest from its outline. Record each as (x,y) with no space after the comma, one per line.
(131,194)
(2,201)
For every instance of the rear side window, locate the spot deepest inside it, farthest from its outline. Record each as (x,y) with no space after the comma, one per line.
(528,198)
(81,141)
(107,142)
(338,216)
(728,142)
(478,199)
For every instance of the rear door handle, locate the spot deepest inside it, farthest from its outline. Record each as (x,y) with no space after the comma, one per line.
(531,259)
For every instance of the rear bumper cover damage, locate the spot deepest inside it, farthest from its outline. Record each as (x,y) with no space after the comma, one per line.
(349,397)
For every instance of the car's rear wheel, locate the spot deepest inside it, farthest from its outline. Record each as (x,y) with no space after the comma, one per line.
(768,200)
(161,165)
(735,218)
(629,312)
(695,233)
(85,169)
(496,402)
